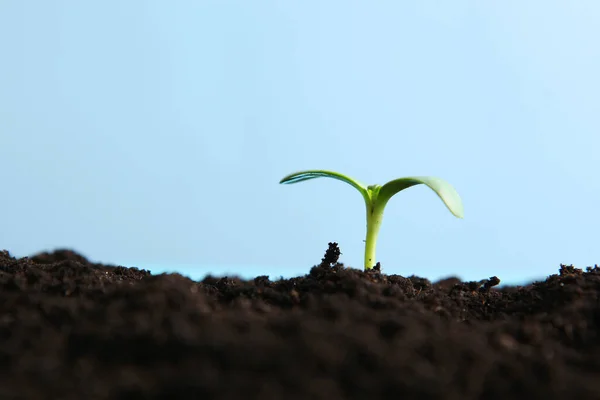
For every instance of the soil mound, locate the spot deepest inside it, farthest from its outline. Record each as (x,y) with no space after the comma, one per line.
(71,329)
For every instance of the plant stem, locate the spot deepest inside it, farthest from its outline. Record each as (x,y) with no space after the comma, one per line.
(374,218)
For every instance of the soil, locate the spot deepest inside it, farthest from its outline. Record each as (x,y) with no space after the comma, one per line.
(71,329)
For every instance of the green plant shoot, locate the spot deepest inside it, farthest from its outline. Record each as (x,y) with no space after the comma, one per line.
(376,197)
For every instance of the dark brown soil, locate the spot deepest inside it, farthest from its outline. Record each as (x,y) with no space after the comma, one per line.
(70,329)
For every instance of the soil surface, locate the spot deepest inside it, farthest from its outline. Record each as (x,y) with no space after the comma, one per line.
(71,329)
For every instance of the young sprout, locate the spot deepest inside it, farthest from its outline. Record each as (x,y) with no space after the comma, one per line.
(376,197)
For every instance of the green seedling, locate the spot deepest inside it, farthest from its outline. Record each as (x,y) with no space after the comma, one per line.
(376,197)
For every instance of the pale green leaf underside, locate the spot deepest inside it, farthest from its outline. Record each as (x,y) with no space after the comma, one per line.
(443,189)
(318,173)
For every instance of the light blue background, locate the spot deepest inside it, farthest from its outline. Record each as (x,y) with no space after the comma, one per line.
(154,134)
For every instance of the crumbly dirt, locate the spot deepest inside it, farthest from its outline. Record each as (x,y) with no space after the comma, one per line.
(71,329)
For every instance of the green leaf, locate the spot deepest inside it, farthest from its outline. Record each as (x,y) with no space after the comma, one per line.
(318,173)
(443,189)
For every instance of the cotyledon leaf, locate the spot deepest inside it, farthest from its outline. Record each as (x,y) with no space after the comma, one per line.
(318,173)
(443,189)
